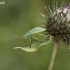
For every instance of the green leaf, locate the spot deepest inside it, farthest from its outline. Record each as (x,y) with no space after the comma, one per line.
(33,31)
(35,46)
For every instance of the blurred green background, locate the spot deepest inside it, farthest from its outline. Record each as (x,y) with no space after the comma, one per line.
(17,17)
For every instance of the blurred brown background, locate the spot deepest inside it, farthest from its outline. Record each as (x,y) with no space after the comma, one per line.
(17,17)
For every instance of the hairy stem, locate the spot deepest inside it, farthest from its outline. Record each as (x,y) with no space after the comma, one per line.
(54,51)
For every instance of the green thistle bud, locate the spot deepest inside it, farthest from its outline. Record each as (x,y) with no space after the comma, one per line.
(58,22)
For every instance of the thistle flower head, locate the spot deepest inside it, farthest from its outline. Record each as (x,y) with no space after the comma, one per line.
(58,22)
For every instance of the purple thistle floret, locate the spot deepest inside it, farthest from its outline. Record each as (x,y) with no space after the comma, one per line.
(65,6)
(69,6)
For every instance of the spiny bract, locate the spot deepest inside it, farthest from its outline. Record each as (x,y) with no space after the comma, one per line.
(58,22)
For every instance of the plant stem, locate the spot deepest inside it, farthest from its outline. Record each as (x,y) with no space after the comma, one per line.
(54,51)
